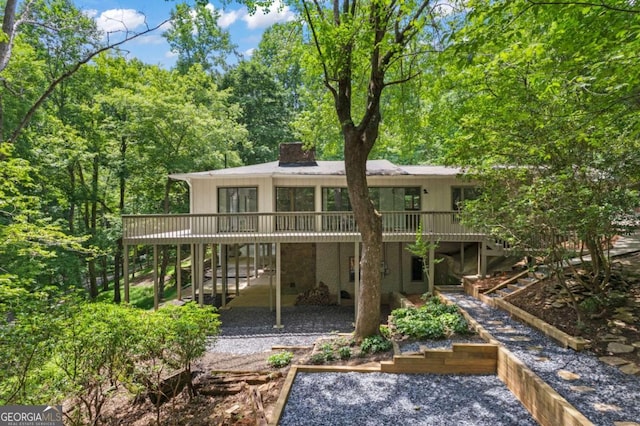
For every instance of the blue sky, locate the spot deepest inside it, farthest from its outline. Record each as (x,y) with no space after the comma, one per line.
(112,15)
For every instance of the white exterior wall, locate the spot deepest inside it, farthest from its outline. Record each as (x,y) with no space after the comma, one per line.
(204,191)
(332,268)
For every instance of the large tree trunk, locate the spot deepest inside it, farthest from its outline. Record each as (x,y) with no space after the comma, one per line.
(370,224)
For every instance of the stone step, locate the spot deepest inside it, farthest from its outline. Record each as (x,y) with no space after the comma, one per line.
(526,281)
(504,292)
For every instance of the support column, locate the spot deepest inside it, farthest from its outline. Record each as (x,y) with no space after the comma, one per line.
(156,296)
(432,268)
(248,265)
(193,273)
(214,270)
(483,269)
(278,288)
(201,274)
(256,255)
(237,265)
(125,266)
(270,281)
(178,273)
(356,279)
(225,282)
(401,262)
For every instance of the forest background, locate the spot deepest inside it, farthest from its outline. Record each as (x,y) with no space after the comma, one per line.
(88,135)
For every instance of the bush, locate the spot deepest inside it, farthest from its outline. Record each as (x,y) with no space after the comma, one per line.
(281,359)
(344,352)
(375,344)
(433,320)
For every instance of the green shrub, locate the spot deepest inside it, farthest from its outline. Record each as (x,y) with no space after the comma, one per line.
(344,352)
(375,344)
(433,320)
(281,359)
(317,358)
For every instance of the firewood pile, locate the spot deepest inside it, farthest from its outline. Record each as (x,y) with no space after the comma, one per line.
(315,296)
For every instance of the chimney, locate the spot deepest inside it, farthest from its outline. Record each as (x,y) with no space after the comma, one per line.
(294,155)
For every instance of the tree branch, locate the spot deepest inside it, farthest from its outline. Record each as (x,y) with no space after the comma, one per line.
(52,86)
(583,3)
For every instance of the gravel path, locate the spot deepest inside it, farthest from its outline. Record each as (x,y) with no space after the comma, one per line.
(250,330)
(601,392)
(401,399)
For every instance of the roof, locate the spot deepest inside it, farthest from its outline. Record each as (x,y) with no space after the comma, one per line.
(322,168)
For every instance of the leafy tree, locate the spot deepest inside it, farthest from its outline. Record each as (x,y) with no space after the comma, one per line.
(362,48)
(265,113)
(95,354)
(542,95)
(197,38)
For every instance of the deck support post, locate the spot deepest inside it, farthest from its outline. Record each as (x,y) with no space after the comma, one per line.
(270,267)
(156,296)
(278,288)
(201,274)
(485,260)
(193,274)
(214,271)
(432,267)
(256,255)
(125,266)
(356,279)
(248,265)
(225,272)
(178,272)
(237,265)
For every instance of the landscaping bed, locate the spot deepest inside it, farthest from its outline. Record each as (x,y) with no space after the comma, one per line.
(617,324)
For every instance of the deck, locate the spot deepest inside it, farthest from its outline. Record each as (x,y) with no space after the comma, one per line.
(243,228)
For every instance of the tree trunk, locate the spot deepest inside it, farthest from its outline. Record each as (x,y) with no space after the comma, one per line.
(370,225)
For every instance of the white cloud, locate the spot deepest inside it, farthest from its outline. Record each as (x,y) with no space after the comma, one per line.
(228,18)
(90,13)
(153,39)
(277,13)
(249,52)
(120,20)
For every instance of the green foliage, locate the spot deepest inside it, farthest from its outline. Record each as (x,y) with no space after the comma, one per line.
(539,117)
(421,247)
(344,352)
(280,359)
(375,344)
(433,320)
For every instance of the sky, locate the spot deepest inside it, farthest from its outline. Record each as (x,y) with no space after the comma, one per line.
(112,15)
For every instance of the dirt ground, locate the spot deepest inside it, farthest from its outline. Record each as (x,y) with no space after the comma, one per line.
(237,408)
(617,322)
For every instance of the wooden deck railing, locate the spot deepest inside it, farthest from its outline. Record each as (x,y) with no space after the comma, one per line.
(137,227)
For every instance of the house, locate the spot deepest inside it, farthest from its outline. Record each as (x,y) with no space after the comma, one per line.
(294,215)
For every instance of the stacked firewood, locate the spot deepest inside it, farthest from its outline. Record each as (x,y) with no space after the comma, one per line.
(315,296)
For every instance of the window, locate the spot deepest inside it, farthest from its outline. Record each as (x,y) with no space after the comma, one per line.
(295,199)
(237,200)
(417,272)
(335,200)
(395,199)
(460,194)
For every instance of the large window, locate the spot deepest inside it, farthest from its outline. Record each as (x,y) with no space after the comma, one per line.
(384,198)
(460,194)
(335,200)
(395,199)
(237,200)
(295,199)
